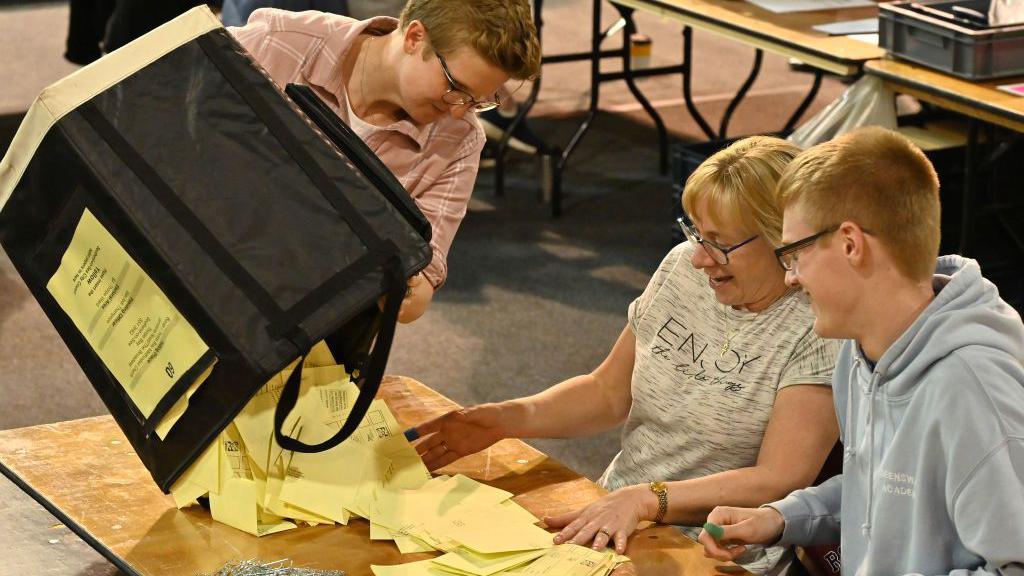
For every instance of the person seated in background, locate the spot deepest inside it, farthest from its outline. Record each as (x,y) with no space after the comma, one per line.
(929,386)
(721,383)
(409,88)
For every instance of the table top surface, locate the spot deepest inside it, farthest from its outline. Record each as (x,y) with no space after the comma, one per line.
(981,100)
(790,34)
(87,470)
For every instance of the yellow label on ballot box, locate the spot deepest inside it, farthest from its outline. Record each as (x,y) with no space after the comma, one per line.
(131,325)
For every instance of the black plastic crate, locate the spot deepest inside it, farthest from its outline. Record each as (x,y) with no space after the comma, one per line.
(913,31)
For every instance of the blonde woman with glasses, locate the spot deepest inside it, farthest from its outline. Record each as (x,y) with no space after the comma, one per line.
(720,381)
(410,88)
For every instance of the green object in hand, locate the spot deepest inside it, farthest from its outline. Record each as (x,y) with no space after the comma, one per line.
(715,530)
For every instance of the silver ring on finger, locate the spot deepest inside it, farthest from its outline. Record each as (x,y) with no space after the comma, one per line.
(444,446)
(605,531)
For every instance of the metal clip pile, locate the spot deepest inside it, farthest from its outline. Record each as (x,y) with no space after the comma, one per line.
(282,567)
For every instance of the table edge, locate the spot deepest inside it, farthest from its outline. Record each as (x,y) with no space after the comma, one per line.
(75,527)
(1015,121)
(856,64)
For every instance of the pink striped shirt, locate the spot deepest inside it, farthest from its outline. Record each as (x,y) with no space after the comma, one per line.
(437,163)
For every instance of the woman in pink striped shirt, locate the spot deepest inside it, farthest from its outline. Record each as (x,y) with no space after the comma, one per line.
(409,88)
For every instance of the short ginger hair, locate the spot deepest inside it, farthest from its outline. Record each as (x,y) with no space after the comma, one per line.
(879,179)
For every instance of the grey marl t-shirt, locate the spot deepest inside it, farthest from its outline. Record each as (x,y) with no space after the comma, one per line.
(697,411)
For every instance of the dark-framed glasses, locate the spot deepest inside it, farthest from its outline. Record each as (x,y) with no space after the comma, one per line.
(456,96)
(719,254)
(787,254)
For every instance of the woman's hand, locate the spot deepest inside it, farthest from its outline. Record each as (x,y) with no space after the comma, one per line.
(609,520)
(459,433)
(741,526)
(417,297)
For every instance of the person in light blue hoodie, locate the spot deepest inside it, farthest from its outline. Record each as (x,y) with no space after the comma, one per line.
(928,387)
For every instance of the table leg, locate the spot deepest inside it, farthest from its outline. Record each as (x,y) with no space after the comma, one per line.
(627,70)
(521,112)
(723,128)
(687,93)
(791,123)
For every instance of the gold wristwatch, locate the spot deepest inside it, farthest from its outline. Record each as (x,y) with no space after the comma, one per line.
(661,490)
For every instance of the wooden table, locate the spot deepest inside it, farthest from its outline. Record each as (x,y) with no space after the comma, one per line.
(978,100)
(86,474)
(790,34)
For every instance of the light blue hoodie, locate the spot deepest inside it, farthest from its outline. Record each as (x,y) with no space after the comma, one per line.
(933,472)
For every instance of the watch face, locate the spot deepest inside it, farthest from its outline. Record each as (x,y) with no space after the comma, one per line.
(658,486)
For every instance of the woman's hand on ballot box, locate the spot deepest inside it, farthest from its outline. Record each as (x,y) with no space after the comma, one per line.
(418,296)
(459,433)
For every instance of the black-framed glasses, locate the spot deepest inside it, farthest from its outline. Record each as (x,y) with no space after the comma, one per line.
(787,254)
(719,254)
(458,97)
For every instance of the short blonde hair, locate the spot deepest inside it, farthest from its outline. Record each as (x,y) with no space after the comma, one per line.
(878,179)
(501,31)
(739,183)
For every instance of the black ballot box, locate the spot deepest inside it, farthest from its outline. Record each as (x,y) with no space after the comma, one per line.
(190,230)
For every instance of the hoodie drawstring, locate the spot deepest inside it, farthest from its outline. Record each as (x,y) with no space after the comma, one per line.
(872,387)
(848,449)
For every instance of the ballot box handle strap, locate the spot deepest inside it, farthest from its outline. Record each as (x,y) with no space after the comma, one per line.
(369,380)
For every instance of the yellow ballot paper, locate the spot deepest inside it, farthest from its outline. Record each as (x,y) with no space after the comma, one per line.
(131,325)
(429,512)
(421,568)
(201,478)
(573,560)
(178,410)
(274,505)
(237,507)
(319,385)
(490,530)
(319,355)
(238,500)
(411,544)
(518,513)
(325,483)
(468,562)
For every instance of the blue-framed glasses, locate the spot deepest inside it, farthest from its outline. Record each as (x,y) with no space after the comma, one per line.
(719,254)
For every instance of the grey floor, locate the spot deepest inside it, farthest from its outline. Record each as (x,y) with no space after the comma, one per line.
(529,301)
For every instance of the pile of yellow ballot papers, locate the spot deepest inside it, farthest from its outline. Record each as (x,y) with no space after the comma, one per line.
(482,531)
(256,486)
(563,560)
